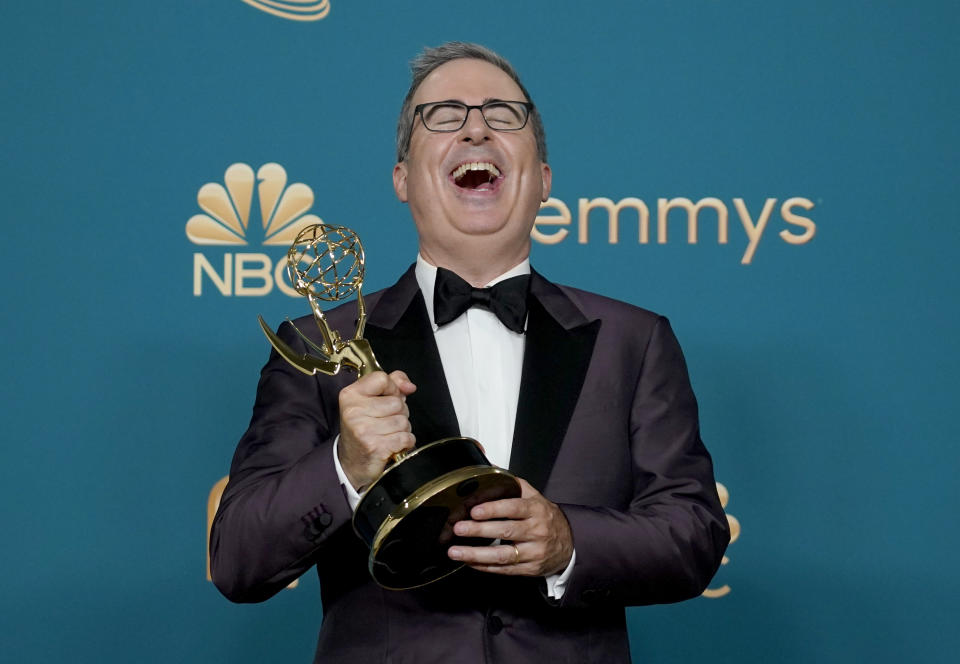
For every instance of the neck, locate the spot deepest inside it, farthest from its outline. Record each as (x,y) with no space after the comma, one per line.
(478,262)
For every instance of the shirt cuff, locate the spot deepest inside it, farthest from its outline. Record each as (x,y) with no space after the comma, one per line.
(557,583)
(353,498)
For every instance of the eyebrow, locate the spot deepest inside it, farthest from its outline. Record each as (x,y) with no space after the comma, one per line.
(486,100)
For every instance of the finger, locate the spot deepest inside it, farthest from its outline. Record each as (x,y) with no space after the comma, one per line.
(508,508)
(503,530)
(355,411)
(374,384)
(388,445)
(399,442)
(370,385)
(369,428)
(500,555)
(377,407)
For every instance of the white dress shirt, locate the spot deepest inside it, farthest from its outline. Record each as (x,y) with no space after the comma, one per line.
(482,362)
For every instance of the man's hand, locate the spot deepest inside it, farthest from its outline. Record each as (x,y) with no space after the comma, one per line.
(542,541)
(374,424)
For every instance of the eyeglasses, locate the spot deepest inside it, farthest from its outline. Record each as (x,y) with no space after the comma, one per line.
(452,115)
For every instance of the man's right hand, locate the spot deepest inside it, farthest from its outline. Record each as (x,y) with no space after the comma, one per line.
(374,425)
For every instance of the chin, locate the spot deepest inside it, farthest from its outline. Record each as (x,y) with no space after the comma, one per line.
(480,227)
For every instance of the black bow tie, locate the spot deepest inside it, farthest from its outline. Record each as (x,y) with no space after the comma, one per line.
(507,299)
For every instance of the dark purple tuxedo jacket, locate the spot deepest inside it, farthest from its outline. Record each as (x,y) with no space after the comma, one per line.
(606,428)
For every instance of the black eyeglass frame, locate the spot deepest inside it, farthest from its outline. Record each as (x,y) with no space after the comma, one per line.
(418,110)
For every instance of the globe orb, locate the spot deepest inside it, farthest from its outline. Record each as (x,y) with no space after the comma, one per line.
(326,262)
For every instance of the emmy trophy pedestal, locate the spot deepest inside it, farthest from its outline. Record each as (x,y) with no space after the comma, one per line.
(407,515)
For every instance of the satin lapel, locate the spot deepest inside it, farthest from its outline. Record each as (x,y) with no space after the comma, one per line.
(559,346)
(399,332)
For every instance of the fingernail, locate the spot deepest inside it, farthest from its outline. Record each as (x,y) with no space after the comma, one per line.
(460,528)
(455,553)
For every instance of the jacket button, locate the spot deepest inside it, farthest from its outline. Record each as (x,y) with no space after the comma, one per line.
(494,624)
(316,522)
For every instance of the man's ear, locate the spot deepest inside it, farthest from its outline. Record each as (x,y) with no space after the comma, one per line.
(400,180)
(547,176)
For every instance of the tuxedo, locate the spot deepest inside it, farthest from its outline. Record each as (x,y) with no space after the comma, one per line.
(606,427)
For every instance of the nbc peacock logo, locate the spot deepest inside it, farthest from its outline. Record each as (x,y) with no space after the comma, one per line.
(295,10)
(229,221)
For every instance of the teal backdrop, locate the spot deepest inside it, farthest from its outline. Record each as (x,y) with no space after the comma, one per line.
(825,365)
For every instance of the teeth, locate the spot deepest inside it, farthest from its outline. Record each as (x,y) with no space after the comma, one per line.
(476,166)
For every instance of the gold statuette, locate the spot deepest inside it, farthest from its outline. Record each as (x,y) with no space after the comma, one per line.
(327,263)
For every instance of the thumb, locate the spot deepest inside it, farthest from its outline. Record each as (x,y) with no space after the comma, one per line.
(526,489)
(403,382)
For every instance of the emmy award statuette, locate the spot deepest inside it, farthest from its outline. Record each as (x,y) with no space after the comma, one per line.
(406,515)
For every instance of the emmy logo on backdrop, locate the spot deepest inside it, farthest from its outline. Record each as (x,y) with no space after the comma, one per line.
(229,220)
(406,515)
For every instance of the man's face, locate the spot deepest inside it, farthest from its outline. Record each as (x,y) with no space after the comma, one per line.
(450,208)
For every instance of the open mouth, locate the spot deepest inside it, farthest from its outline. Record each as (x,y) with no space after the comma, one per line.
(476,176)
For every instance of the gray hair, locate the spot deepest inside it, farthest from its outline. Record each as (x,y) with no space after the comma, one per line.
(431,58)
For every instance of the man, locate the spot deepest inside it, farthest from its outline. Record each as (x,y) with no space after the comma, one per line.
(585,398)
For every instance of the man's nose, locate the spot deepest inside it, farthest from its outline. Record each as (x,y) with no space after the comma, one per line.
(475,128)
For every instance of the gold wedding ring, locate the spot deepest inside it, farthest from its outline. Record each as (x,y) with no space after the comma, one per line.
(517,552)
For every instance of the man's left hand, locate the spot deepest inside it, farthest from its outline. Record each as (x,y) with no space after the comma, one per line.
(541,539)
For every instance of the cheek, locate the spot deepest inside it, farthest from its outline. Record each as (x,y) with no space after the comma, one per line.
(422,190)
(421,175)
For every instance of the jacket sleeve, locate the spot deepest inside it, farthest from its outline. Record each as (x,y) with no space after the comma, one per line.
(667,545)
(284,499)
